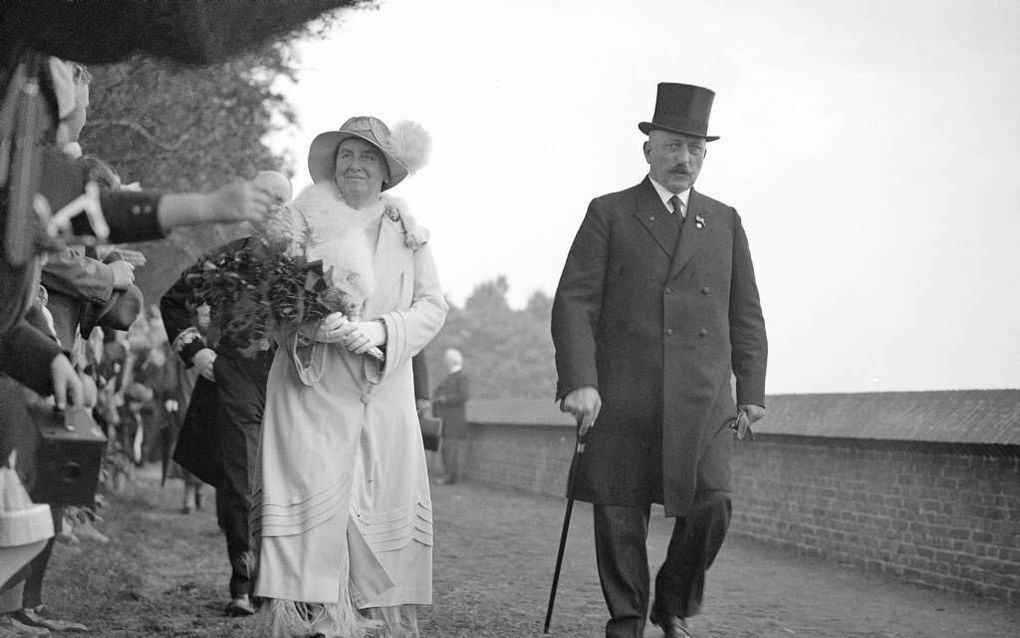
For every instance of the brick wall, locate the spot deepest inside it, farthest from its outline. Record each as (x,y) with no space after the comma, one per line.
(535,458)
(946,516)
(942,515)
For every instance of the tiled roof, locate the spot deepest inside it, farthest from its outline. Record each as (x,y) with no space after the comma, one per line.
(951,416)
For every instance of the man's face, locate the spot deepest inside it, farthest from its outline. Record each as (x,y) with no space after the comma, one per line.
(360,166)
(451,360)
(674,159)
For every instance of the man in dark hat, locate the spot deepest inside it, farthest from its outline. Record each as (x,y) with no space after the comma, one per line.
(656,307)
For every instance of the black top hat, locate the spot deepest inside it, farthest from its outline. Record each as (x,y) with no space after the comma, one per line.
(681,108)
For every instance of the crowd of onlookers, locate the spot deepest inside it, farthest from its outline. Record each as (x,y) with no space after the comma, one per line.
(78,342)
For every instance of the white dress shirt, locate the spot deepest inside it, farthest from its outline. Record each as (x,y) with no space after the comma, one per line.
(665,194)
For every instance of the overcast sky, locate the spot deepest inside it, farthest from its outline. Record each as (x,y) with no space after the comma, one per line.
(870,147)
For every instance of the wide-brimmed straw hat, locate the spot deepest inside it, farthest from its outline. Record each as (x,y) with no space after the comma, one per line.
(405,147)
(681,108)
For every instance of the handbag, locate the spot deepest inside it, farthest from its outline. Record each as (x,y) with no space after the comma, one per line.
(431,431)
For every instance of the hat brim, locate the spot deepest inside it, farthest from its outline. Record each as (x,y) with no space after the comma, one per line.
(648,127)
(322,158)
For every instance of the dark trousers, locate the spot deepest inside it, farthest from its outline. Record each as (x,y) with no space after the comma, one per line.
(621,534)
(452,451)
(241,387)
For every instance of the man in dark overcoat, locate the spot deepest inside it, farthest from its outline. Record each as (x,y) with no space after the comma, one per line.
(656,307)
(450,405)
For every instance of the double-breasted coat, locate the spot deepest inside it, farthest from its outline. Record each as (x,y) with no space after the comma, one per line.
(657,324)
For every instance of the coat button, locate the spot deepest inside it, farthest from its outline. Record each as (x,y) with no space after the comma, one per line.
(669,332)
(703,332)
(706,290)
(668,291)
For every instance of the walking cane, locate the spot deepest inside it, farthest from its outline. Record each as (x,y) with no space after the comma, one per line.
(566,526)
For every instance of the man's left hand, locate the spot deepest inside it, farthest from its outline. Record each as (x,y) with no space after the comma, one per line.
(754,412)
(747,415)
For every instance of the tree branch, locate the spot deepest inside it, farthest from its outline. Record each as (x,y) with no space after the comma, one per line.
(141,130)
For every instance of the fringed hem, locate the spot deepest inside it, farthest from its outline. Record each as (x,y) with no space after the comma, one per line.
(292,619)
(398,621)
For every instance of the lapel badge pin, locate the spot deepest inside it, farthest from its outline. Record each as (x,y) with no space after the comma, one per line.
(699,222)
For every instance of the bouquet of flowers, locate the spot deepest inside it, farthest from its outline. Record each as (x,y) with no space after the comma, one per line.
(262,289)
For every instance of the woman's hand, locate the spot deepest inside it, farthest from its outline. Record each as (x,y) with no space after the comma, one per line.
(364,335)
(331,329)
(357,336)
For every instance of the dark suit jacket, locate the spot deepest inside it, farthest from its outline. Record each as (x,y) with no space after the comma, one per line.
(237,396)
(448,404)
(657,329)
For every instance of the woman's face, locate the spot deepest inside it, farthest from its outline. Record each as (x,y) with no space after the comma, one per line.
(360,168)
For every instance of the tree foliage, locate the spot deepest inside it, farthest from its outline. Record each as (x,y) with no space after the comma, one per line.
(507,353)
(178,128)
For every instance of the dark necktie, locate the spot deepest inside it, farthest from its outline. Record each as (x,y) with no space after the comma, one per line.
(674,202)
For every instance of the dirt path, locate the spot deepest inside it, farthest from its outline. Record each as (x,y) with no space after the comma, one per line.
(164,575)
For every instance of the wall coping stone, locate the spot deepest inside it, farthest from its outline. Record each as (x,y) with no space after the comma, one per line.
(969,417)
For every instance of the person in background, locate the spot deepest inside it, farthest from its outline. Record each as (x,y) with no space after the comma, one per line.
(449,404)
(656,306)
(232,386)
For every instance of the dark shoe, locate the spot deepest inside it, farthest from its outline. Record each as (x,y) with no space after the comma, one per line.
(672,626)
(11,628)
(240,606)
(34,618)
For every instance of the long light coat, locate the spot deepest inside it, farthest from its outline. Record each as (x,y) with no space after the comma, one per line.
(342,502)
(657,332)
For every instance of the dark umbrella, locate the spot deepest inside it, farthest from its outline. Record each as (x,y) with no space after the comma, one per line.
(571,479)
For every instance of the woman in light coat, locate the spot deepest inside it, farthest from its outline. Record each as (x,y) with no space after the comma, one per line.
(341,503)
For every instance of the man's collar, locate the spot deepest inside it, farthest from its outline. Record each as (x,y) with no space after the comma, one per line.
(665,194)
